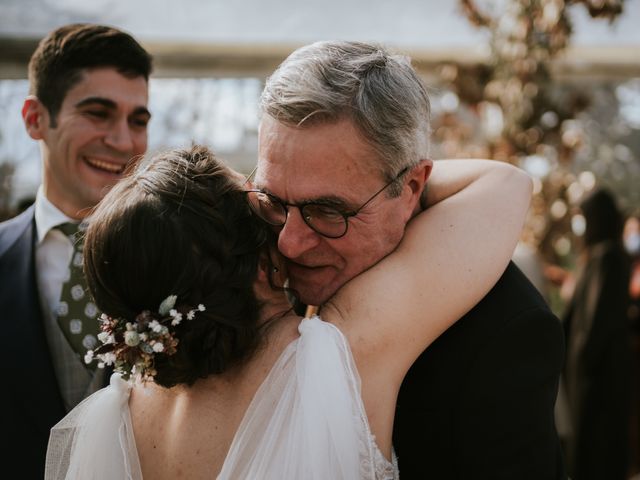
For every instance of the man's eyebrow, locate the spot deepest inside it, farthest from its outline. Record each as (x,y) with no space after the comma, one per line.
(110,104)
(104,102)
(328,200)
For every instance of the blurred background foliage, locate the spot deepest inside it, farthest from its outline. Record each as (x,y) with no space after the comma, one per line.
(570,134)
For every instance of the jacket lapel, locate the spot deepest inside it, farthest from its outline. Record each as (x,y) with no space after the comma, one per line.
(26,352)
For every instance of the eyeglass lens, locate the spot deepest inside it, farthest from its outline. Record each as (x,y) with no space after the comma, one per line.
(323,219)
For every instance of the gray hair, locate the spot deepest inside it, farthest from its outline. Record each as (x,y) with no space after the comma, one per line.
(379,92)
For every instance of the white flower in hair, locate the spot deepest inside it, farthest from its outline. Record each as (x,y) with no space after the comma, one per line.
(109,358)
(106,338)
(177,317)
(155,326)
(139,339)
(131,338)
(88,357)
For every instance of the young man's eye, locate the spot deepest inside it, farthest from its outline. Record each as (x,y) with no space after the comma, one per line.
(140,122)
(101,114)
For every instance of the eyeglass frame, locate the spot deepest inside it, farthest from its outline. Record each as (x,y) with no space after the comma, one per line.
(301,205)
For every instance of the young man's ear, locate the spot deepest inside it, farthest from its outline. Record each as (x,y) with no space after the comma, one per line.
(35,117)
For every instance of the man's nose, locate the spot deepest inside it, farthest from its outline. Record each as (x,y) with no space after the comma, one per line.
(119,136)
(296,237)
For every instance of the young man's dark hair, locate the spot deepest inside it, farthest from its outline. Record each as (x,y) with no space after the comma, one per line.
(57,63)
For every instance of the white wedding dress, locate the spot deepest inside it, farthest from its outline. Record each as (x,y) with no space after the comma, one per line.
(306,421)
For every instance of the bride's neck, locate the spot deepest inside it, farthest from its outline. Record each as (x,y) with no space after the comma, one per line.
(273,300)
(272,311)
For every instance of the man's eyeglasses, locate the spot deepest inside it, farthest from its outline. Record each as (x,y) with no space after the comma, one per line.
(327,220)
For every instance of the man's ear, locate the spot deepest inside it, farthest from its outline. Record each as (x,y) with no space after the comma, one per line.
(35,117)
(417,181)
(419,174)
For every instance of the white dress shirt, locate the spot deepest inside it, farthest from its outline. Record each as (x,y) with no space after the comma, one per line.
(53,252)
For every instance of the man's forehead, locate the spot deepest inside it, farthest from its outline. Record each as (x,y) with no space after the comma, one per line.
(334,191)
(319,160)
(109,84)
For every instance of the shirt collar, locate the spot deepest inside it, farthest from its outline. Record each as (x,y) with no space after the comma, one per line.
(47,215)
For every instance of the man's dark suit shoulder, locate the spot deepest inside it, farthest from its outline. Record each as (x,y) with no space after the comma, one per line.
(33,403)
(478,403)
(12,229)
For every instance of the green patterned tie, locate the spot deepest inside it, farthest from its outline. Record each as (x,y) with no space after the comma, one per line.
(77,314)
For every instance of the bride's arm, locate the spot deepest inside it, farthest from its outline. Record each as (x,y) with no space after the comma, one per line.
(450,257)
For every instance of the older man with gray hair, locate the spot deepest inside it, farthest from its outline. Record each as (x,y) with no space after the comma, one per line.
(345,127)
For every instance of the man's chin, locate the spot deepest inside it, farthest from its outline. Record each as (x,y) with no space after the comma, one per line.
(311,300)
(310,294)
(313,286)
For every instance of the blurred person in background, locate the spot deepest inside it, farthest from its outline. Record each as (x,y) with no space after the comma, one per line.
(631,236)
(87,108)
(598,364)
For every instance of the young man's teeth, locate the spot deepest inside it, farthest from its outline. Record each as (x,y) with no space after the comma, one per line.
(101,164)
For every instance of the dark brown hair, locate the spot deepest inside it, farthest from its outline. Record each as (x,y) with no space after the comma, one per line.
(178,224)
(60,57)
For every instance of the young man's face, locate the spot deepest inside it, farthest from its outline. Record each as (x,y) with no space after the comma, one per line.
(101,125)
(328,162)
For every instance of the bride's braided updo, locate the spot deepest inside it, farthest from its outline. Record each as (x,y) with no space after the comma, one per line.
(178,224)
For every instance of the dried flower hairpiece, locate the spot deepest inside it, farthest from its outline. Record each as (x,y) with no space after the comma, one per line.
(130,346)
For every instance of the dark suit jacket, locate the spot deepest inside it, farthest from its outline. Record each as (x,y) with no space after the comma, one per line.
(31,398)
(478,403)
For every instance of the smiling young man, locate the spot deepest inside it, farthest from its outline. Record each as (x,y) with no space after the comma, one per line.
(343,160)
(87,108)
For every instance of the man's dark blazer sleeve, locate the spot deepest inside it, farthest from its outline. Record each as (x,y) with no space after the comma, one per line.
(31,400)
(505,420)
(479,402)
